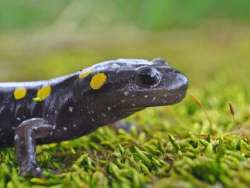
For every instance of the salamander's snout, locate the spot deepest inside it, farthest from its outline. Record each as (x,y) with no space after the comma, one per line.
(176,85)
(180,83)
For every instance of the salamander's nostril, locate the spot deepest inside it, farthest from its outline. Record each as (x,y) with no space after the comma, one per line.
(183,80)
(148,76)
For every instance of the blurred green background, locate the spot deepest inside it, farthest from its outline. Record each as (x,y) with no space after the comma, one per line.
(43,39)
(154,15)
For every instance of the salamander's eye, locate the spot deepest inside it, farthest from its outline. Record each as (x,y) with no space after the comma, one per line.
(148,76)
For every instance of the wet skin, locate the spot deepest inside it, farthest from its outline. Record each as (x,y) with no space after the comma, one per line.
(68,107)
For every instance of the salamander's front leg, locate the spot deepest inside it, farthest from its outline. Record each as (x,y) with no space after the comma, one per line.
(25,142)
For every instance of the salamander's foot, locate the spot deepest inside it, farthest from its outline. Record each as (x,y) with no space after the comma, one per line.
(31,170)
(122,125)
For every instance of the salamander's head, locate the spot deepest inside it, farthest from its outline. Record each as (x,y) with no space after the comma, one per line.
(132,84)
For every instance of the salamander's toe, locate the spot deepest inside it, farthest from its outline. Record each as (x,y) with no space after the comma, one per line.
(122,125)
(31,171)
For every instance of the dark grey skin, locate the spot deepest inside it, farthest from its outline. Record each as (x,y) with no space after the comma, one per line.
(74,109)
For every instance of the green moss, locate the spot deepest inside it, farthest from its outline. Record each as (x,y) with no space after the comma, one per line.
(197,143)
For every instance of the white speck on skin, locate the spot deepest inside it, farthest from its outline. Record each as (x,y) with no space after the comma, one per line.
(16,137)
(154,98)
(93,120)
(74,125)
(54,127)
(145,96)
(109,108)
(65,128)
(133,105)
(126,93)
(18,118)
(71,109)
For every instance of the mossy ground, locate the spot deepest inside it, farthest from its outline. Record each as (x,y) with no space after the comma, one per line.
(198,143)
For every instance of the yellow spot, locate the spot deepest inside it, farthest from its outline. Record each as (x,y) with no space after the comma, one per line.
(84,74)
(43,93)
(20,93)
(98,81)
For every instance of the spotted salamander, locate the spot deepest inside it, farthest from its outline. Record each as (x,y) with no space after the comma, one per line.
(68,107)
